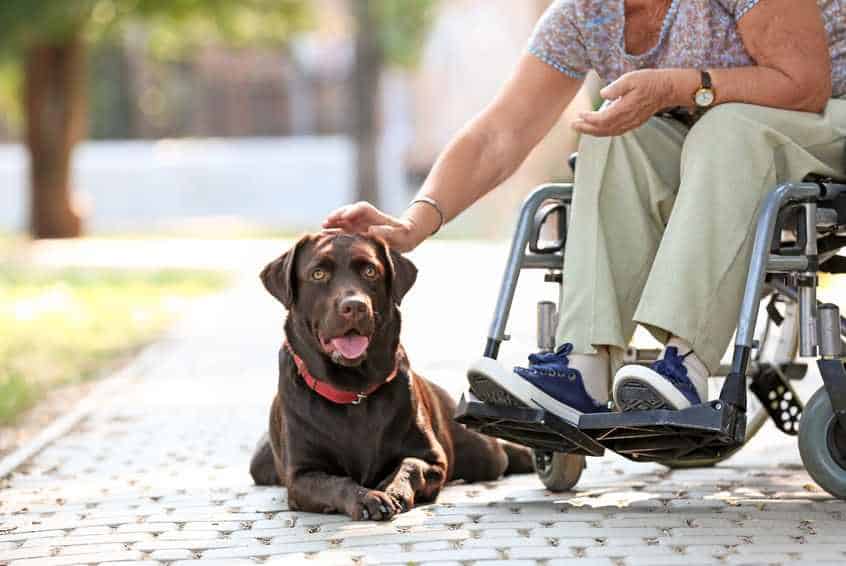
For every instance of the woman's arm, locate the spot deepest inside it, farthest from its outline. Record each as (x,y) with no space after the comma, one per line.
(788,42)
(785,38)
(484,154)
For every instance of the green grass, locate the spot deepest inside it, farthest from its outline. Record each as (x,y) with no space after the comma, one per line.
(70,325)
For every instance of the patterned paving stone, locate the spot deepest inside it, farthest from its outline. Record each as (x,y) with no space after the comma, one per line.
(158,475)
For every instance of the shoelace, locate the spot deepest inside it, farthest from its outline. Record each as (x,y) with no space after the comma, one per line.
(672,366)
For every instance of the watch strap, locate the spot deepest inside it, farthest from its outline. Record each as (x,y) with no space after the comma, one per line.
(706,80)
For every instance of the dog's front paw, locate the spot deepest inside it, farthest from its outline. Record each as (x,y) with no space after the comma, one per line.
(403,495)
(372,505)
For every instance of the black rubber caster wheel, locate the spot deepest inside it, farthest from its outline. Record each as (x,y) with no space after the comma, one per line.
(559,472)
(822,444)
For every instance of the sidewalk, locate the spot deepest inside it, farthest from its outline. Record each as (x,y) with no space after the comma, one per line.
(157,474)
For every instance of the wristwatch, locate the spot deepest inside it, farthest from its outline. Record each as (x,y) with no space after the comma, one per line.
(704,97)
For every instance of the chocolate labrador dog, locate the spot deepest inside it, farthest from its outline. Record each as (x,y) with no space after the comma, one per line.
(353,429)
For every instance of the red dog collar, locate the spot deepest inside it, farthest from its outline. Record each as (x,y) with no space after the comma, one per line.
(330,393)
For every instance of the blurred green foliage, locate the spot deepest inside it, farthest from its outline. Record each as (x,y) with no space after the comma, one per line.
(402,28)
(10,80)
(70,325)
(175,24)
(25,22)
(172,28)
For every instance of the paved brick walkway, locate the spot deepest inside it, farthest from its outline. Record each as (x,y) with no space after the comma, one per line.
(158,473)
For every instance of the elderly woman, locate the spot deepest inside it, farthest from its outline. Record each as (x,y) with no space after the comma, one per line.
(712,103)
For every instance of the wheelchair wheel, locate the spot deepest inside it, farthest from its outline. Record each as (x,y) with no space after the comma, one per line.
(822,445)
(559,472)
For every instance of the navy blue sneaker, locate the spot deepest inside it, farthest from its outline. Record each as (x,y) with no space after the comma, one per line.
(663,385)
(548,382)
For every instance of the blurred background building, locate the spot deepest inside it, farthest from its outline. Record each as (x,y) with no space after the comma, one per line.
(257,137)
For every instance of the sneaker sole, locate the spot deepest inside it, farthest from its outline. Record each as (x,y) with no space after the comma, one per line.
(506,387)
(489,392)
(638,388)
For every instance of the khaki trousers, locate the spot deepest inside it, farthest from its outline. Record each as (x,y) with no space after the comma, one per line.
(663,220)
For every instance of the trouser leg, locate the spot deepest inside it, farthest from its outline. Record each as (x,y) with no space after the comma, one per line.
(624,192)
(732,158)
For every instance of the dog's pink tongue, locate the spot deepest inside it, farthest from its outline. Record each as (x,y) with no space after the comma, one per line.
(351,346)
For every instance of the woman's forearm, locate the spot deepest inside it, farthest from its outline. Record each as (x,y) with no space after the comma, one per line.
(788,42)
(763,86)
(493,145)
(472,165)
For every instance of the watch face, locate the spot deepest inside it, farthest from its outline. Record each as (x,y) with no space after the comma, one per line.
(704,97)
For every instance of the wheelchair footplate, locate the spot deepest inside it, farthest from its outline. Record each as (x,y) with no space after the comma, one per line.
(528,426)
(700,433)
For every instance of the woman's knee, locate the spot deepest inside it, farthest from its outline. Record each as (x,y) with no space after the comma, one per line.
(721,129)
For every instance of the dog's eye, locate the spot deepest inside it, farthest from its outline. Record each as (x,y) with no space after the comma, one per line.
(319,274)
(370,271)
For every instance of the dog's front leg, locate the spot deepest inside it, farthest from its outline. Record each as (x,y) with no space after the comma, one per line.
(415,480)
(319,492)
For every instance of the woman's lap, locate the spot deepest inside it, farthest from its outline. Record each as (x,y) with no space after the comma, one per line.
(670,251)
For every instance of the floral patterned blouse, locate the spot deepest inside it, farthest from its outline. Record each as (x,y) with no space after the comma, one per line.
(576,36)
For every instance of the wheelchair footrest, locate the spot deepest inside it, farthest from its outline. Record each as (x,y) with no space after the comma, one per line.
(530,427)
(700,433)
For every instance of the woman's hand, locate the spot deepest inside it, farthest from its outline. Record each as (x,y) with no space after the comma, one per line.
(635,98)
(364,218)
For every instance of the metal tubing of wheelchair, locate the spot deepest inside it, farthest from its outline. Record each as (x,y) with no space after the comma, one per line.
(793,295)
(517,257)
(734,388)
(537,261)
(787,264)
(833,190)
(808,320)
(808,287)
(760,254)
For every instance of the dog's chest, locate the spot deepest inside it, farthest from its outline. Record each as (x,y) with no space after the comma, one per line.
(364,442)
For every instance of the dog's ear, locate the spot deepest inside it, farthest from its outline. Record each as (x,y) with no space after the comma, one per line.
(279,276)
(402,273)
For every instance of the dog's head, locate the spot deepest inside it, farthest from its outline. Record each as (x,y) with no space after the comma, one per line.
(342,293)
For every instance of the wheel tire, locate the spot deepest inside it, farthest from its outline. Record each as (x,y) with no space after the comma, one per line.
(559,472)
(815,446)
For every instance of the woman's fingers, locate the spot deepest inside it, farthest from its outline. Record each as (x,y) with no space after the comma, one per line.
(613,113)
(623,115)
(364,218)
(604,130)
(358,212)
(397,237)
(354,217)
(618,88)
(597,125)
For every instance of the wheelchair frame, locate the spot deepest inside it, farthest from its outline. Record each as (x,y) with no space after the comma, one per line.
(815,212)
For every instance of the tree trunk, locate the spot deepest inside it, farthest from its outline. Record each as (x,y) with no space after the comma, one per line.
(368,68)
(54,100)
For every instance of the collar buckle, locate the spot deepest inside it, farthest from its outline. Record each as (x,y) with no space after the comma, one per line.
(359,397)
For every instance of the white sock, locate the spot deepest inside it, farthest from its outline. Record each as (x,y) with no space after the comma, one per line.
(696,370)
(596,372)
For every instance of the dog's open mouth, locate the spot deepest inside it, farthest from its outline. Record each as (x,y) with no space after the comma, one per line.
(349,347)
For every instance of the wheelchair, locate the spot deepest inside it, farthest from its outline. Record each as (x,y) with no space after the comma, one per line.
(800,230)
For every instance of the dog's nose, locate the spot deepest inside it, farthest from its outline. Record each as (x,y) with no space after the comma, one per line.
(352,308)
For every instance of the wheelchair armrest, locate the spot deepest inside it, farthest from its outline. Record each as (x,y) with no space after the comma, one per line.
(541,217)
